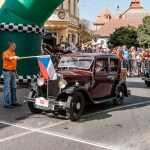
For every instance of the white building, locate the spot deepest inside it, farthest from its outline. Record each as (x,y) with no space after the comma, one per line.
(132,17)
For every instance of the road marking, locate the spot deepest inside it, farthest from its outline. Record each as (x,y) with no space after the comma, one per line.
(115,108)
(59,123)
(28,132)
(100,145)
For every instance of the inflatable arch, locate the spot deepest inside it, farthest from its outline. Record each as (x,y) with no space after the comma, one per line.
(22,21)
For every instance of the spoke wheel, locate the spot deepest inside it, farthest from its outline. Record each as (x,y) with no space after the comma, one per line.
(75,106)
(119,96)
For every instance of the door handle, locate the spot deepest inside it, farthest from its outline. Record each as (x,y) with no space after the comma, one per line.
(108,77)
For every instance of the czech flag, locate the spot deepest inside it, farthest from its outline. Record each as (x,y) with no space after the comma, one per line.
(46,67)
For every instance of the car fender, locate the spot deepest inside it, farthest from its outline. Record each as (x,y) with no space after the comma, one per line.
(126,91)
(147,71)
(73,89)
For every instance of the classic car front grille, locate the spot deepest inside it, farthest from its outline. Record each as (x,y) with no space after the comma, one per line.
(53,88)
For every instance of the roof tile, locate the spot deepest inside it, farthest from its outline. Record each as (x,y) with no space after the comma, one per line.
(101,19)
(113,24)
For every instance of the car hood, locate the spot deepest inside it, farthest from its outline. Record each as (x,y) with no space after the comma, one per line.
(73,73)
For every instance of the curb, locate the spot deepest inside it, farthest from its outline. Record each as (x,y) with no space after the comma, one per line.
(19,86)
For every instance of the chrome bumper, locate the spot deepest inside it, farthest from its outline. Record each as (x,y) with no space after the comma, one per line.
(52,102)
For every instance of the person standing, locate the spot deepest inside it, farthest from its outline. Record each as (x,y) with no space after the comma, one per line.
(118,52)
(126,59)
(139,63)
(79,49)
(68,49)
(101,51)
(143,62)
(76,48)
(49,47)
(10,74)
(133,57)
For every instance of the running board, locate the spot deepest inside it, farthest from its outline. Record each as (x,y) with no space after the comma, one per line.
(103,100)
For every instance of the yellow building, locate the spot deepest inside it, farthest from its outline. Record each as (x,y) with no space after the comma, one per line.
(64,22)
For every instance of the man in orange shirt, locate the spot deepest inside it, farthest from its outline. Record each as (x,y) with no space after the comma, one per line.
(9,73)
(118,52)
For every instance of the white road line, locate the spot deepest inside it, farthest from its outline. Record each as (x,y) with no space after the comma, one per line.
(28,132)
(115,108)
(100,145)
(59,123)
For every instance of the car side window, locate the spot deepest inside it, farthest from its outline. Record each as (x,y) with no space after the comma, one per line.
(113,65)
(101,66)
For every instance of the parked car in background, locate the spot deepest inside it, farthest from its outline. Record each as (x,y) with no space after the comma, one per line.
(146,74)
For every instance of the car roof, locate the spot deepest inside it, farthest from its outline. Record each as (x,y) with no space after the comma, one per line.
(93,55)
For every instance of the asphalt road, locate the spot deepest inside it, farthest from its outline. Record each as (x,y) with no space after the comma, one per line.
(101,127)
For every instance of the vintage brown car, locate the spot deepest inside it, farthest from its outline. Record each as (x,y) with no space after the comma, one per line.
(82,79)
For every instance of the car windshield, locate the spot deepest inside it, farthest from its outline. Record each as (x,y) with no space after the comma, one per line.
(76,62)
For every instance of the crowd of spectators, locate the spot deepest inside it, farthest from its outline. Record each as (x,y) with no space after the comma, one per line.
(133,59)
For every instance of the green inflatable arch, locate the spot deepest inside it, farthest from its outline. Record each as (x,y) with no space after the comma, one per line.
(22,21)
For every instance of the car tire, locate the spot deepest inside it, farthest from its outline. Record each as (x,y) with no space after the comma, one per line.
(147,83)
(31,105)
(119,96)
(75,106)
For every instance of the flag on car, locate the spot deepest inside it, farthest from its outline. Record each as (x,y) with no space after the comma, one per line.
(46,67)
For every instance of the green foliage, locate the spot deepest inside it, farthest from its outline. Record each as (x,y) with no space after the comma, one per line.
(85,32)
(123,36)
(144,33)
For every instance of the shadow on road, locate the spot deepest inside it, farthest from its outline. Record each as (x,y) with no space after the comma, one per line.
(101,111)
(136,85)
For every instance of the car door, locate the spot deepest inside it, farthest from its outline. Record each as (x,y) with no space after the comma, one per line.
(100,87)
(114,74)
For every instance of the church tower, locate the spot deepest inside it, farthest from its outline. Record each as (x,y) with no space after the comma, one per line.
(135,4)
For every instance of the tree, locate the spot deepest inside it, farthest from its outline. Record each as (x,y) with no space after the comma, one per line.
(144,33)
(85,31)
(123,36)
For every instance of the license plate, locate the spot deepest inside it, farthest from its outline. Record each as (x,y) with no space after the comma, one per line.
(41,101)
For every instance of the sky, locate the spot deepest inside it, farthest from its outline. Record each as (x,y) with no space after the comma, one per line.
(92,8)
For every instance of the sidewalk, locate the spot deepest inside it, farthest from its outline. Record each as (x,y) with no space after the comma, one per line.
(19,86)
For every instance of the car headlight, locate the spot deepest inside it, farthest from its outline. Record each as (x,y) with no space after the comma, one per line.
(40,81)
(62,84)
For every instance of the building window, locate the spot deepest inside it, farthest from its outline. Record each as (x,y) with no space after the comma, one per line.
(107,17)
(69,5)
(102,42)
(131,16)
(74,7)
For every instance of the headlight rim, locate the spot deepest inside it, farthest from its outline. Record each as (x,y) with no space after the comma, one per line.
(38,79)
(65,83)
